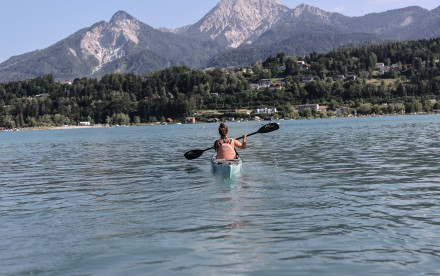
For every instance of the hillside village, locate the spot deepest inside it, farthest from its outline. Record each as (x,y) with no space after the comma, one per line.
(381,70)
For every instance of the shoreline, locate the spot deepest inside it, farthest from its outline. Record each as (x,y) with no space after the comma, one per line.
(77,127)
(53,128)
(107,126)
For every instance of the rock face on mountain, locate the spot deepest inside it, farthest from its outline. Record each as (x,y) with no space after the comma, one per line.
(240,21)
(234,32)
(106,41)
(122,45)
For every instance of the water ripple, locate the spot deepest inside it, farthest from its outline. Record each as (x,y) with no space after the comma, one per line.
(336,197)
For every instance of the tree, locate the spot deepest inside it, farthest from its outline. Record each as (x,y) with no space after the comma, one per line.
(120,119)
(376,109)
(58,119)
(31,121)
(45,120)
(8,122)
(364,109)
(307,113)
(427,105)
(19,120)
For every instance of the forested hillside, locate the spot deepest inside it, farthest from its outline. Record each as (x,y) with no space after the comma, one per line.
(409,78)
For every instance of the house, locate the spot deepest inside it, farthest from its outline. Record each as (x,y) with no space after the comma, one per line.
(213,120)
(340,77)
(190,120)
(302,65)
(365,74)
(266,110)
(45,95)
(275,86)
(84,123)
(380,64)
(283,68)
(308,78)
(385,69)
(341,111)
(351,77)
(169,120)
(264,82)
(303,107)
(255,86)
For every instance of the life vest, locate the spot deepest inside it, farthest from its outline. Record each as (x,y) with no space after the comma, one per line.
(226,150)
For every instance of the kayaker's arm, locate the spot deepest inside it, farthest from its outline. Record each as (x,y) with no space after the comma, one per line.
(215,145)
(241,145)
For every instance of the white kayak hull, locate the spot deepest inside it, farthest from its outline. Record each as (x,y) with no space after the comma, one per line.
(226,167)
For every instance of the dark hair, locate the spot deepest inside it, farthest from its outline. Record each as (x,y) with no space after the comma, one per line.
(223,130)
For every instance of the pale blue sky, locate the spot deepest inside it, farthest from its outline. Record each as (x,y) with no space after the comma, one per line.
(27,25)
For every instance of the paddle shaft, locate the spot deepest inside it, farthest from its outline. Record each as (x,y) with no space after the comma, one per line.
(193,154)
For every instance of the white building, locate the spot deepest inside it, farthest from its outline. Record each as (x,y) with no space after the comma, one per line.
(266,110)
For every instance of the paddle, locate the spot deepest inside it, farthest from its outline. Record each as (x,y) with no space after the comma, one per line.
(193,154)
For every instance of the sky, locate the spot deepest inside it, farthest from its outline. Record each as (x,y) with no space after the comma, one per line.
(27,25)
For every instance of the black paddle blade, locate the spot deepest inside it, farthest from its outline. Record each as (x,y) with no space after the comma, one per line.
(269,128)
(193,154)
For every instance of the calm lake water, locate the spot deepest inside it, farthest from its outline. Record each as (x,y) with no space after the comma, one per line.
(353,196)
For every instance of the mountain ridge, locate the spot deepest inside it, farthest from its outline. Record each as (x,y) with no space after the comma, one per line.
(231,28)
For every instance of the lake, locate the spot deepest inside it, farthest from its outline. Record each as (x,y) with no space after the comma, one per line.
(349,196)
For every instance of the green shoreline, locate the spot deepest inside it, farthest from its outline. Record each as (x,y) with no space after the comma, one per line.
(158,124)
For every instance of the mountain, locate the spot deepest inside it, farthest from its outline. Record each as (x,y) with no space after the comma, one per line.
(426,27)
(392,24)
(301,30)
(301,43)
(124,44)
(234,32)
(235,22)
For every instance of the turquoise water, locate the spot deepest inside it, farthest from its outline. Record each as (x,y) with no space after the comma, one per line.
(354,196)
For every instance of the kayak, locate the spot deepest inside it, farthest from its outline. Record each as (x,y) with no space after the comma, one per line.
(226,167)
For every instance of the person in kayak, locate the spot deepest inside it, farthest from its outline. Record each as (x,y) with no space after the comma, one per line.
(225,147)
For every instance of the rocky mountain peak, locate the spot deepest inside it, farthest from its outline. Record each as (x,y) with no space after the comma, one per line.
(121,16)
(106,41)
(240,21)
(306,11)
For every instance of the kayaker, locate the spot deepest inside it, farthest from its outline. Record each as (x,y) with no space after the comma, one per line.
(225,147)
